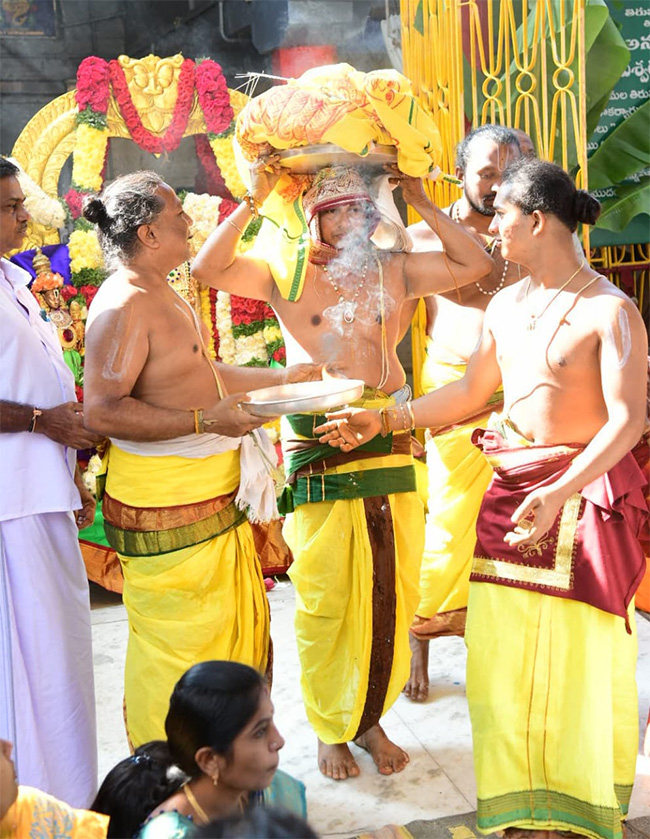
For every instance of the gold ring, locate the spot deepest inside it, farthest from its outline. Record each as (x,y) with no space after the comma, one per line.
(525,524)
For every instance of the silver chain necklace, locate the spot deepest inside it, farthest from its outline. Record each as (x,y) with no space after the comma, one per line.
(349,307)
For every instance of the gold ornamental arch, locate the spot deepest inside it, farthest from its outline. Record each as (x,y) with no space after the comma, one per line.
(49,138)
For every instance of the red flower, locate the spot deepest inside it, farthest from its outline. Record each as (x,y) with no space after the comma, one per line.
(244,310)
(68,292)
(226,208)
(172,137)
(93,89)
(89,292)
(280,354)
(74,200)
(214,96)
(79,393)
(213,183)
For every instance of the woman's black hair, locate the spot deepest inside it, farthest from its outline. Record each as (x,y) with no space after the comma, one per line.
(126,204)
(210,705)
(534,184)
(135,787)
(258,823)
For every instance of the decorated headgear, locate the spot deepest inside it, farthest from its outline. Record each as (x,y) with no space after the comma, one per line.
(335,186)
(46,279)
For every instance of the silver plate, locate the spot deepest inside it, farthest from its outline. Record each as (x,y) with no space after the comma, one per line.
(307,160)
(303,397)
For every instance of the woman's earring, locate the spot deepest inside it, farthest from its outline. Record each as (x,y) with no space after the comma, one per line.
(215,778)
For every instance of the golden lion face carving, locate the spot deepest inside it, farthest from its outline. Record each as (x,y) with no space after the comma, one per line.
(153,84)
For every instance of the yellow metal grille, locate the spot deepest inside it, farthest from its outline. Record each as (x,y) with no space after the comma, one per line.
(502,61)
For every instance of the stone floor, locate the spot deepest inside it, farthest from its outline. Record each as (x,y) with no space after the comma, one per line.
(439,780)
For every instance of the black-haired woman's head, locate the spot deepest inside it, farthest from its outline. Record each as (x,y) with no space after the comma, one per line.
(533,184)
(220,723)
(258,823)
(135,787)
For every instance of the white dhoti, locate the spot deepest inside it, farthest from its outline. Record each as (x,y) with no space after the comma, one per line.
(47,701)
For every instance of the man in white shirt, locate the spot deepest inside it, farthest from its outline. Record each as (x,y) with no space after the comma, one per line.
(47,706)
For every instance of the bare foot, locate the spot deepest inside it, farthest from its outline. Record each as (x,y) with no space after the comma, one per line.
(335,761)
(388,757)
(417,687)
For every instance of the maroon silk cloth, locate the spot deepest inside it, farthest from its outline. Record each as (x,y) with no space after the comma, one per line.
(591,553)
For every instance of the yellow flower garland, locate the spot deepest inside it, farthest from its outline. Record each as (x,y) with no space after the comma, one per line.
(223,152)
(88,157)
(206,317)
(84,250)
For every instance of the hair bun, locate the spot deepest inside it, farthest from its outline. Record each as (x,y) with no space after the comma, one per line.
(94,211)
(586,207)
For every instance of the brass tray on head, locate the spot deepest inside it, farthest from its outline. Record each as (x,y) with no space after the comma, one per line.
(303,397)
(307,160)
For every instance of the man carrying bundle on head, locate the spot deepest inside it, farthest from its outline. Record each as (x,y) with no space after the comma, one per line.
(357,523)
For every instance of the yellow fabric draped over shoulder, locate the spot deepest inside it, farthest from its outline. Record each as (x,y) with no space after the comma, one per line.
(355,571)
(203,601)
(559,751)
(458,475)
(35,813)
(332,104)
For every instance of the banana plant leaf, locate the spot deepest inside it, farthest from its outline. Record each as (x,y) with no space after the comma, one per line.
(607,58)
(624,152)
(631,200)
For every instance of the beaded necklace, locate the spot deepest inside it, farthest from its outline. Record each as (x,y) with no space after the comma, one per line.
(349,306)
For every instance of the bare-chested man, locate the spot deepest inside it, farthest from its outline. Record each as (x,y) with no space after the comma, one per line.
(356,532)
(192,583)
(550,632)
(458,472)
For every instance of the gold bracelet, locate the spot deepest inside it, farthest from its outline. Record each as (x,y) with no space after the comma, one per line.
(32,423)
(236,226)
(199,425)
(252,205)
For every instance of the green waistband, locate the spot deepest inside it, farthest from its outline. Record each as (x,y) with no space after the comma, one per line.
(156,542)
(348,485)
(304,424)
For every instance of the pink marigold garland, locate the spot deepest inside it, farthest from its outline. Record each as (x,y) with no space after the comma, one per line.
(93,86)
(213,180)
(172,137)
(214,96)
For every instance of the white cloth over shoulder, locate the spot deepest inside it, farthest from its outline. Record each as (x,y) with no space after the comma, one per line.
(258,461)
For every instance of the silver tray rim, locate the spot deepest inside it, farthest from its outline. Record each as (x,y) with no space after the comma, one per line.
(311,159)
(326,401)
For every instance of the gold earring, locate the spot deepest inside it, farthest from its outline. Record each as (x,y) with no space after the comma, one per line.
(215,778)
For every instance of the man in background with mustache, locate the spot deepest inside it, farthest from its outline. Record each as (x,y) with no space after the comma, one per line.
(458,472)
(47,701)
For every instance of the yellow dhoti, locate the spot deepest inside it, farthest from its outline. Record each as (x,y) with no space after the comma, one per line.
(193,586)
(459,474)
(553,704)
(355,570)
